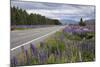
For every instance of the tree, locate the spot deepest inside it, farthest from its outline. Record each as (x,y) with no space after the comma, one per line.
(81,23)
(21,17)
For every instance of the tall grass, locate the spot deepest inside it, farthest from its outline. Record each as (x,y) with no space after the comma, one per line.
(62,47)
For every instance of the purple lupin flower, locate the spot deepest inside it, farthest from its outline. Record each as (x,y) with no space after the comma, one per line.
(32,47)
(27,57)
(34,51)
(14,61)
(42,57)
(23,54)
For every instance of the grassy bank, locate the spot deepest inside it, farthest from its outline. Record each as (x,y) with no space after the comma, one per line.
(62,47)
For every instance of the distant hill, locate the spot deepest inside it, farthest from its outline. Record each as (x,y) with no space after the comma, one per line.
(90,22)
(65,21)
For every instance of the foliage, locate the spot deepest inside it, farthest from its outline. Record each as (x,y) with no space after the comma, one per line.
(61,48)
(21,17)
(81,23)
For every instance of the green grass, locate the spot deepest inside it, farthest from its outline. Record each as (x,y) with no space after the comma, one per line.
(63,48)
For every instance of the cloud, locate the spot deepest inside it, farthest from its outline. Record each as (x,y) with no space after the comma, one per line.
(57,10)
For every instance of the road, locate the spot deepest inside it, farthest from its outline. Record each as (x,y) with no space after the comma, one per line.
(24,37)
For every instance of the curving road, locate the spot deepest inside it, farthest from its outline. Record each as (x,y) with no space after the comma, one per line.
(23,37)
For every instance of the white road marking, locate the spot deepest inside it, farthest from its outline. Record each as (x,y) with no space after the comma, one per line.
(35,39)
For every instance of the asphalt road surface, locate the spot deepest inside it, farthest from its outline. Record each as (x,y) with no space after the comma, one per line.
(23,37)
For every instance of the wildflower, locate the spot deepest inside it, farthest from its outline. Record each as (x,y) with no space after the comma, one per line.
(27,57)
(42,57)
(14,61)
(32,47)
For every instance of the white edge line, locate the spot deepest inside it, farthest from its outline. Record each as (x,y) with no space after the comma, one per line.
(35,39)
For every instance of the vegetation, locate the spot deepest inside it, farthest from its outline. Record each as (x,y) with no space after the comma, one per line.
(81,23)
(62,47)
(21,17)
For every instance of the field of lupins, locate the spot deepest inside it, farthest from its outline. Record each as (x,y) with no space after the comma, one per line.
(70,45)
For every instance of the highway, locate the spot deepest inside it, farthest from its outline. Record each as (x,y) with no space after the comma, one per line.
(24,37)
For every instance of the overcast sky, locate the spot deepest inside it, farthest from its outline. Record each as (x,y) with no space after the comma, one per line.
(57,10)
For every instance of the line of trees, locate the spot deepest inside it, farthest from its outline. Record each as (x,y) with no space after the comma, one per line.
(21,17)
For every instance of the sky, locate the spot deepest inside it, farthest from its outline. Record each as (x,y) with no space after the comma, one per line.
(58,11)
